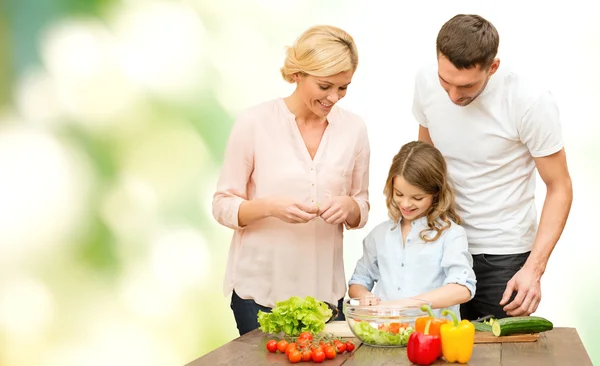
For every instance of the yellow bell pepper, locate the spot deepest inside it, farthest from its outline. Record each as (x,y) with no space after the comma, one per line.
(458,339)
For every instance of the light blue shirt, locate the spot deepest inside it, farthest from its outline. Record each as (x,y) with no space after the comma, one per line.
(400,271)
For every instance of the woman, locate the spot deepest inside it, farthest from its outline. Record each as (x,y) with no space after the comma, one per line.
(295,171)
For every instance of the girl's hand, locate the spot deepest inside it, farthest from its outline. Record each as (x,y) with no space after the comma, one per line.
(369,299)
(408,302)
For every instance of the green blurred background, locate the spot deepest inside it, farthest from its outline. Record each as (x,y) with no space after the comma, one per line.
(113,120)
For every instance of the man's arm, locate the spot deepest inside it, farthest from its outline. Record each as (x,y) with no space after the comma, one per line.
(557,205)
(424,135)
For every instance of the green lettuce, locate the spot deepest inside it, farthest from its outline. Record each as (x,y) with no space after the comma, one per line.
(370,335)
(294,316)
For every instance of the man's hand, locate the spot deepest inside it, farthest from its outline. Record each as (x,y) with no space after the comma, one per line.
(336,210)
(529,292)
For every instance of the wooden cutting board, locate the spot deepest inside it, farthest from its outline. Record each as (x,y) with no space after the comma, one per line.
(339,328)
(342,329)
(488,337)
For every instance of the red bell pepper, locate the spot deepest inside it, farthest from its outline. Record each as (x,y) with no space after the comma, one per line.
(423,348)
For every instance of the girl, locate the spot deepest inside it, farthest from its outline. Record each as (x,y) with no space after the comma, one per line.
(421,252)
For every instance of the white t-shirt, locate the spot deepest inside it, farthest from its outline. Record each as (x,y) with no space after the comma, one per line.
(489,146)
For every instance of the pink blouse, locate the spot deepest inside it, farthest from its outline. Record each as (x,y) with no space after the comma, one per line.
(271,260)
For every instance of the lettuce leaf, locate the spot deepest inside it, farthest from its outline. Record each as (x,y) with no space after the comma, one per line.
(371,335)
(294,316)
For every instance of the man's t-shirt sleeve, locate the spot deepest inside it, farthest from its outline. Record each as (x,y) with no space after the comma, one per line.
(540,129)
(417,108)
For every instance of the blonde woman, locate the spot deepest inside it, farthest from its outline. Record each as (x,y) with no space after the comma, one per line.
(295,173)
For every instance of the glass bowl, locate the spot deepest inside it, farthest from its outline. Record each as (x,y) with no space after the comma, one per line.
(384,325)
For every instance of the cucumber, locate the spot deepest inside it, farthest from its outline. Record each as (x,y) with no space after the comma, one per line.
(521,325)
(482,327)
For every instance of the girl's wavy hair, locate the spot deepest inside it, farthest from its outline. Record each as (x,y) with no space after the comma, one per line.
(423,166)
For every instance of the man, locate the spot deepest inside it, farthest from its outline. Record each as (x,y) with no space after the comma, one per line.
(494,129)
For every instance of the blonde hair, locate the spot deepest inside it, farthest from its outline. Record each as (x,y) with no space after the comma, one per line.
(323,51)
(423,166)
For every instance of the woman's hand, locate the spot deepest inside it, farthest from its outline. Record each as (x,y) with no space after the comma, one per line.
(293,211)
(337,209)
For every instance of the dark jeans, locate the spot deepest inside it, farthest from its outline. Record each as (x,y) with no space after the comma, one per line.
(492,273)
(246,313)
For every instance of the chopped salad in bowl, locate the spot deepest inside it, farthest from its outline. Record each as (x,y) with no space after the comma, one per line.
(384,325)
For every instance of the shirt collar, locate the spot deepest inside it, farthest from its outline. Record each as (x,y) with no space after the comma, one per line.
(421,222)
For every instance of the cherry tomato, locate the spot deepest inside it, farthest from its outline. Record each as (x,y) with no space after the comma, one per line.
(330,352)
(282,345)
(306,355)
(340,347)
(350,346)
(290,347)
(305,336)
(304,343)
(324,345)
(272,346)
(294,356)
(317,355)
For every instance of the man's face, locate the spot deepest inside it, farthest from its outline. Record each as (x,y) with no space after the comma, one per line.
(463,86)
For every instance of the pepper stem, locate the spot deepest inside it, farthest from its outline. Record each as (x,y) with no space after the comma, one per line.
(427,308)
(426,331)
(452,314)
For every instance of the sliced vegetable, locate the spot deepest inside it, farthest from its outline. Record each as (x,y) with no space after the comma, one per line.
(482,327)
(371,335)
(521,325)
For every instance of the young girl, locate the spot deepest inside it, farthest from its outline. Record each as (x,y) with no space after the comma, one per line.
(421,252)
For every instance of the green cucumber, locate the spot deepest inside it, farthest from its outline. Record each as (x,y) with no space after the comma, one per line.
(521,325)
(482,327)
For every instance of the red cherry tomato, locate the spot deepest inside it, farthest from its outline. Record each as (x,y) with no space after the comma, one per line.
(282,345)
(290,347)
(272,346)
(306,355)
(318,355)
(350,346)
(294,356)
(330,352)
(305,336)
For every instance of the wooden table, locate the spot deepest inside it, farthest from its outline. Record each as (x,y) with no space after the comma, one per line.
(560,347)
